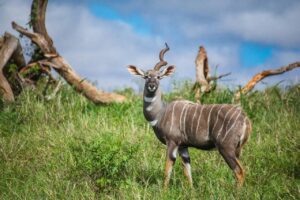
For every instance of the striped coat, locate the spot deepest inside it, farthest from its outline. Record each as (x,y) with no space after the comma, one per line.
(197,125)
(203,126)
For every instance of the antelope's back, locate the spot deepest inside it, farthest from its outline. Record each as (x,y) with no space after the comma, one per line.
(204,126)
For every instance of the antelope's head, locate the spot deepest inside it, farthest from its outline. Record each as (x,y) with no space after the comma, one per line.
(153,76)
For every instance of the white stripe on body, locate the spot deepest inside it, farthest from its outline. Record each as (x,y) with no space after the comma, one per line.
(170,130)
(202,107)
(194,118)
(208,121)
(181,116)
(227,131)
(231,118)
(225,120)
(217,118)
(184,118)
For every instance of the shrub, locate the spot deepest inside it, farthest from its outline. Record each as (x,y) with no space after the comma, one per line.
(106,160)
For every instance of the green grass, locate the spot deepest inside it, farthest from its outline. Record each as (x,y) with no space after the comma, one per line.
(68,148)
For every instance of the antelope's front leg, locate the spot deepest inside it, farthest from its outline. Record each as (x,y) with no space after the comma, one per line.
(185,157)
(171,158)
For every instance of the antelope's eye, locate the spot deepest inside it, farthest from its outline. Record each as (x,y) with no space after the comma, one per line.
(158,77)
(147,77)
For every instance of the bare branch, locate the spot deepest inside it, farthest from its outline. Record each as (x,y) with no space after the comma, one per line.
(260,76)
(37,38)
(9,46)
(45,69)
(214,78)
(38,21)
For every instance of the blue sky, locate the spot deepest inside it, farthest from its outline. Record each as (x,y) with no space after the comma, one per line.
(253,54)
(100,38)
(104,11)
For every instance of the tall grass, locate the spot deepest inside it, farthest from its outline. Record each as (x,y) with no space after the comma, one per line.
(68,148)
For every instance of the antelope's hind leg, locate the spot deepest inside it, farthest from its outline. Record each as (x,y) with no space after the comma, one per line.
(186,161)
(170,160)
(234,163)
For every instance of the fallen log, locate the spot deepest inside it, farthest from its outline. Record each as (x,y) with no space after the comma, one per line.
(41,38)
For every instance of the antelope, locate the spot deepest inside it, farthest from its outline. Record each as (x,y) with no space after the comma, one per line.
(182,124)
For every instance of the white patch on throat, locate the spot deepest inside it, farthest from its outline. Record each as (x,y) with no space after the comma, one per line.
(153,123)
(149,108)
(150,99)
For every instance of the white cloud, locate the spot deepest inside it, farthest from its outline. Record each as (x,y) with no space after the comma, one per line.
(100,49)
(13,11)
(266,27)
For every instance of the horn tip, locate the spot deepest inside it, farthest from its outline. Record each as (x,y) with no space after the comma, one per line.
(167,46)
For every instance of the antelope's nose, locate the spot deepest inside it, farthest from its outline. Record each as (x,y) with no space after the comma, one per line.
(151,85)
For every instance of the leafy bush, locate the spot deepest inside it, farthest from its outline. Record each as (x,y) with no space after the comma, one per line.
(106,159)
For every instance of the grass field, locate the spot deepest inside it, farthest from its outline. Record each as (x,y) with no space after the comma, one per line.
(68,148)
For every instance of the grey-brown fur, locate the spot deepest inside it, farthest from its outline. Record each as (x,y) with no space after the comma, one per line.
(183,124)
(196,125)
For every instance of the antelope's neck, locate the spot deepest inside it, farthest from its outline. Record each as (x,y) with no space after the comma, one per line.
(153,107)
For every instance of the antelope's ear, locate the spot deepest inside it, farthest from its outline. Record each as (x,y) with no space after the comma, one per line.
(135,71)
(168,71)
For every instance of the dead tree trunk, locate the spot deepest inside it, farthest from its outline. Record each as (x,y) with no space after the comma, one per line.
(202,69)
(203,79)
(7,49)
(40,37)
(260,76)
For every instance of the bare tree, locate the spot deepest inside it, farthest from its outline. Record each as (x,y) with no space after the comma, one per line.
(203,78)
(261,75)
(51,58)
(10,49)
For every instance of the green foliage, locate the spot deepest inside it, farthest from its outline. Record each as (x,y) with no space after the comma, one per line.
(69,148)
(106,159)
(12,68)
(34,12)
(34,70)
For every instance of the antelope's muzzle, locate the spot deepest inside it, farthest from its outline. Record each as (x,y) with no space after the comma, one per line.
(152,87)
